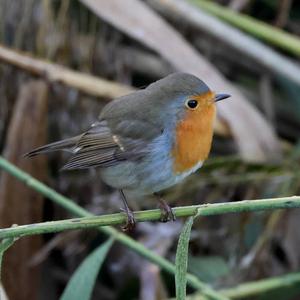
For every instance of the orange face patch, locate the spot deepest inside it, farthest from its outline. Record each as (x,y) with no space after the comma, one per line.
(194,134)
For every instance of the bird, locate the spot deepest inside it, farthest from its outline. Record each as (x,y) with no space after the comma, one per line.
(148,140)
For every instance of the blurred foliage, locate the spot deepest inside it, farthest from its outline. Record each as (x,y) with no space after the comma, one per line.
(83,280)
(208,268)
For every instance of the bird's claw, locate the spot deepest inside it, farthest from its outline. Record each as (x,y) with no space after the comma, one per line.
(167,213)
(130,222)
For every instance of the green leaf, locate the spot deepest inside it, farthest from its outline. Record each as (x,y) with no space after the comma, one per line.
(181,260)
(208,268)
(81,284)
(4,245)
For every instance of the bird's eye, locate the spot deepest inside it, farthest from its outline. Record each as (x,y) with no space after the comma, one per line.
(191,104)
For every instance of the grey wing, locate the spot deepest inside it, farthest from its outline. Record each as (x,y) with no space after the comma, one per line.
(100,147)
(95,147)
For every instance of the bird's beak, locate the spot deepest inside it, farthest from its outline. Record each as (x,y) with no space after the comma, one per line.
(220,97)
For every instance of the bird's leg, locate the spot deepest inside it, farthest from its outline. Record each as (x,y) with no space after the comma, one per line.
(166,211)
(130,223)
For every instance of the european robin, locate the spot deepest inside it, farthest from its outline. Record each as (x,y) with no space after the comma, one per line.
(148,140)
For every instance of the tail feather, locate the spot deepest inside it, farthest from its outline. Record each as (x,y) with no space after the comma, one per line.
(64,145)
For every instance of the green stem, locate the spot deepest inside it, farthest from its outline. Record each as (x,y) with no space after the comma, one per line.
(250,289)
(152,215)
(253,26)
(72,207)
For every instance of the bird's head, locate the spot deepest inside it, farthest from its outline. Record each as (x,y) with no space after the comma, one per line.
(182,95)
(188,106)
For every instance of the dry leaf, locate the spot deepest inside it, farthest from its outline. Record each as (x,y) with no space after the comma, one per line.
(19,204)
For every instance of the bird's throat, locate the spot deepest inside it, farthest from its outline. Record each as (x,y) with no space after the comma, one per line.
(193,138)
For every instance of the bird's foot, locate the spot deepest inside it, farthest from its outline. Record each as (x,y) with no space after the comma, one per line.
(130,222)
(167,213)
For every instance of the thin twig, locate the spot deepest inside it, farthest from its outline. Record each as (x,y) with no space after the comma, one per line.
(251,289)
(152,215)
(56,73)
(283,13)
(259,29)
(204,19)
(23,23)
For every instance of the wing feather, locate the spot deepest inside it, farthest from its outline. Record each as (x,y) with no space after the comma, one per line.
(100,147)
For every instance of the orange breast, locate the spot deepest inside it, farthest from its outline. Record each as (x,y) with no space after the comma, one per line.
(193,138)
